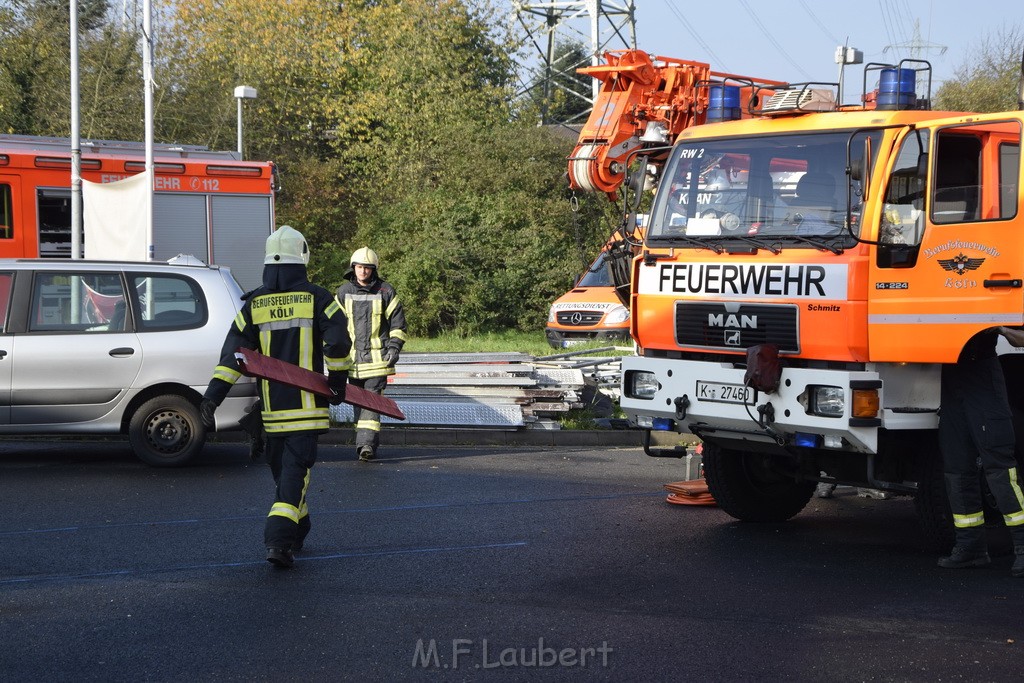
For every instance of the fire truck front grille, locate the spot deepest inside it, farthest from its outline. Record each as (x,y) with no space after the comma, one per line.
(579,318)
(720,325)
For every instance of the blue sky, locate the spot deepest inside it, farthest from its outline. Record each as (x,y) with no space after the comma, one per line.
(795,40)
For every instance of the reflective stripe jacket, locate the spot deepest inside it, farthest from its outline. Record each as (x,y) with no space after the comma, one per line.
(303,325)
(376,323)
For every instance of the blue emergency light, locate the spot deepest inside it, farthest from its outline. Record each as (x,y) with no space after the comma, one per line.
(723,103)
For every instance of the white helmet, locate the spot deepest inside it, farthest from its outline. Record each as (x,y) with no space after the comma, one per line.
(364,257)
(286,245)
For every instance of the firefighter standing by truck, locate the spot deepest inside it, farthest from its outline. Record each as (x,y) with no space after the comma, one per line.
(976,424)
(295,321)
(376,323)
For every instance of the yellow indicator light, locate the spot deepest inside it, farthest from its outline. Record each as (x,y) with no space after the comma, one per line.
(865,403)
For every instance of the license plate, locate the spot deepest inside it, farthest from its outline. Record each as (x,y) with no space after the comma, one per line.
(726,393)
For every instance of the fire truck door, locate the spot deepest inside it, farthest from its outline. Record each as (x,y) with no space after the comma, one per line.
(950,262)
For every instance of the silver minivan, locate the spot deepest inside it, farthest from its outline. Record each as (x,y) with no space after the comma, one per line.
(105,347)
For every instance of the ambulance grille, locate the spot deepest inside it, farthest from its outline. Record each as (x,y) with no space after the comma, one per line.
(732,326)
(579,318)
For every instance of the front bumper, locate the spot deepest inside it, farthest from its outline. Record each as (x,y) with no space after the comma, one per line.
(687,398)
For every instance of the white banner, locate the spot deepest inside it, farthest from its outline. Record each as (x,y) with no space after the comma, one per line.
(114,217)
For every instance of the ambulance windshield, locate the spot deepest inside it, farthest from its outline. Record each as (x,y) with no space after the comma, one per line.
(772,187)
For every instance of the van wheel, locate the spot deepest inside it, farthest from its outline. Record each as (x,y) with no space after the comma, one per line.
(746,486)
(166,431)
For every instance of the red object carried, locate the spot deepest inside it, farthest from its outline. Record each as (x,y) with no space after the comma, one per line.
(255,364)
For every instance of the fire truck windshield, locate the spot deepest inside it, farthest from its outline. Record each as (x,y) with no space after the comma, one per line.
(777,186)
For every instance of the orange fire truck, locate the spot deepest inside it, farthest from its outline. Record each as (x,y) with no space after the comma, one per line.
(205,203)
(807,269)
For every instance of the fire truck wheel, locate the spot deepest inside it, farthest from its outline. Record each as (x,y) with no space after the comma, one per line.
(749,488)
(166,431)
(932,502)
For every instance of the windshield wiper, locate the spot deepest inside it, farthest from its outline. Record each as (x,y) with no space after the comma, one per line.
(775,249)
(827,246)
(691,240)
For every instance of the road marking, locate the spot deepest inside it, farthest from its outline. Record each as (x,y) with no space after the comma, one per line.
(338,511)
(250,563)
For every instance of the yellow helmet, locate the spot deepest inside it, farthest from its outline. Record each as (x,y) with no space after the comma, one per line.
(286,245)
(364,257)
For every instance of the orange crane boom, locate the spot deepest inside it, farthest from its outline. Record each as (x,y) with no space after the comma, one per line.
(645,101)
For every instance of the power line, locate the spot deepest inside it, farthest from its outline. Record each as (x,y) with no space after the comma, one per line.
(824,29)
(719,64)
(771,39)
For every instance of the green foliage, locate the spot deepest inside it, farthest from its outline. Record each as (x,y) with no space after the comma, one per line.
(486,246)
(392,123)
(35,80)
(987,81)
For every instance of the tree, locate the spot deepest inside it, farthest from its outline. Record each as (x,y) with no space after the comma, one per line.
(35,70)
(988,80)
(490,244)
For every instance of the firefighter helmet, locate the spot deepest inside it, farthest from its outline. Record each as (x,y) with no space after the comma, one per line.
(286,245)
(364,257)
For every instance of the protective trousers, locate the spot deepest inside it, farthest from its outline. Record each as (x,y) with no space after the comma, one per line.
(368,421)
(291,457)
(976,425)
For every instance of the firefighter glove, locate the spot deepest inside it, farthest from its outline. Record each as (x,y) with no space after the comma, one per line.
(206,410)
(337,381)
(392,356)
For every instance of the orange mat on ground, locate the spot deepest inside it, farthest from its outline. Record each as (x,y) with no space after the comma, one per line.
(694,492)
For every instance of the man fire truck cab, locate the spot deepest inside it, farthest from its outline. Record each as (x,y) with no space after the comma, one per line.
(806,271)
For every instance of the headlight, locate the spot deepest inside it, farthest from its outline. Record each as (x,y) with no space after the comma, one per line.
(641,384)
(616,315)
(827,401)
(551,314)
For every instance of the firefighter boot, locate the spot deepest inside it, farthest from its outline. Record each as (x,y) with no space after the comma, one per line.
(281,558)
(963,557)
(366,453)
(1018,563)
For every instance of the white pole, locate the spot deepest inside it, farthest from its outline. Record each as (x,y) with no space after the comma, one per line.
(239,127)
(76,142)
(147,76)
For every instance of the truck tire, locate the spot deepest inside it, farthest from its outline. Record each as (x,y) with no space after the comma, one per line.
(932,502)
(166,431)
(745,486)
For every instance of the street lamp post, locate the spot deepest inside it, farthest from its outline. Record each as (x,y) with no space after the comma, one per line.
(242,92)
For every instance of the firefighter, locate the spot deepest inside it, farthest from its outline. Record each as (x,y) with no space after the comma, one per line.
(376,323)
(296,321)
(976,426)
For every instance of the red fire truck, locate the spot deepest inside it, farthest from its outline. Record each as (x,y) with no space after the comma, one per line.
(206,203)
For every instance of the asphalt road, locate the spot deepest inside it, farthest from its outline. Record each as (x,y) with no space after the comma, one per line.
(470,563)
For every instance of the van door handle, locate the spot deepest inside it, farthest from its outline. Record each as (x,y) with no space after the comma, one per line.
(3,354)
(1015,283)
(122,352)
